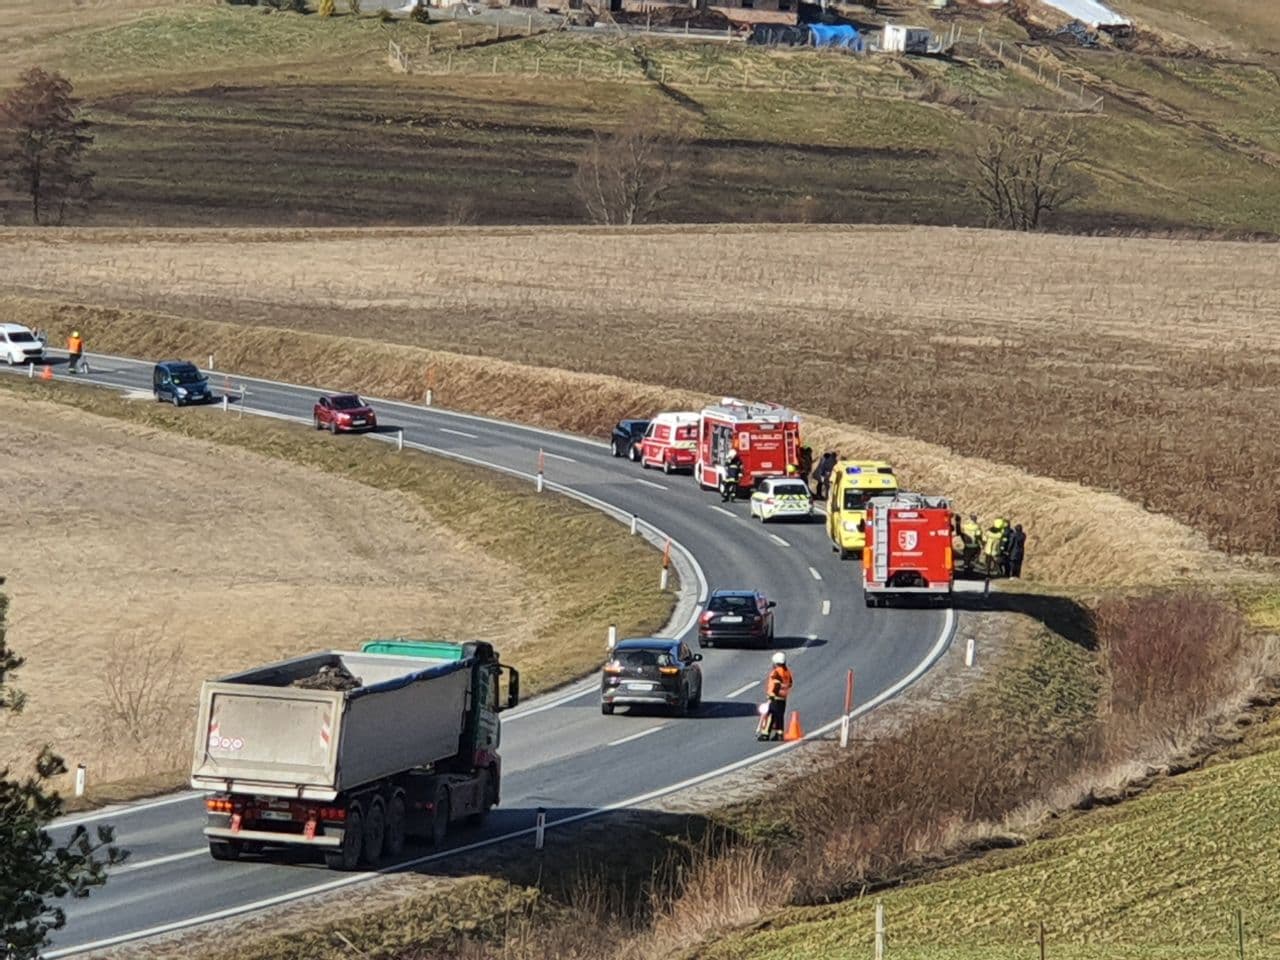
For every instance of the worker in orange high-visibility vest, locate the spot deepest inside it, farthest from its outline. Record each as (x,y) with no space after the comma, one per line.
(777,688)
(75,347)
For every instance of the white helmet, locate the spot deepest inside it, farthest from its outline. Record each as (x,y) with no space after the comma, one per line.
(780,658)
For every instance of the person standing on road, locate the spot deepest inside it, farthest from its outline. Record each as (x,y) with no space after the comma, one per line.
(75,347)
(1017,549)
(777,688)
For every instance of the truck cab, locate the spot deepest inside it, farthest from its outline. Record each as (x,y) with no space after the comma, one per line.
(853,483)
(765,436)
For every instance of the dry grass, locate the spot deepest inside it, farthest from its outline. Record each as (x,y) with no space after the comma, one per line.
(1107,369)
(119,562)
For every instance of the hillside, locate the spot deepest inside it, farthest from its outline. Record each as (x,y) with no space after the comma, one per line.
(210,115)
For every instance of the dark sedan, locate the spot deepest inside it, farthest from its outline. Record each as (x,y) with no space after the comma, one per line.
(626,437)
(651,671)
(736,616)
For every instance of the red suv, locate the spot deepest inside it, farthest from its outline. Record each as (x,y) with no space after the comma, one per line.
(343,412)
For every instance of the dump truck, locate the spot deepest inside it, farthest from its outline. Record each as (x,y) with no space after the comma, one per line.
(352,753)
(908,552)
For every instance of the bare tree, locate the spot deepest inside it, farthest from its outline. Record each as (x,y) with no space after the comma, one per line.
(1028,170)
(45,144)
(624,178)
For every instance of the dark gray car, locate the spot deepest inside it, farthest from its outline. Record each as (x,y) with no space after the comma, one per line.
(649,671)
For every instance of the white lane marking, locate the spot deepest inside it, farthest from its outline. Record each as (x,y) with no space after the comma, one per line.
(742,690)
(459,433)
(556,456)
(649,483)
(778,540)
(944,638)
(120,810)
(816,575)
(588,686)
(436,411)
(636,736)
(158,861)
(727,513)
(808,643)
(826,608)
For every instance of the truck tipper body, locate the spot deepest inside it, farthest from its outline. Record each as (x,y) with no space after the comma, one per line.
(351,752)
(908,551)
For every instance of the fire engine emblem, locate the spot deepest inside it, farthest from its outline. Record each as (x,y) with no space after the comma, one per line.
(907,539)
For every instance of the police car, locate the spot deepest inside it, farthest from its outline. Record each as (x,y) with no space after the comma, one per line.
(781,498)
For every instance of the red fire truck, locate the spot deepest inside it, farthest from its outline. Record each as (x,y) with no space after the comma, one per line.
(766,436)
(909,549)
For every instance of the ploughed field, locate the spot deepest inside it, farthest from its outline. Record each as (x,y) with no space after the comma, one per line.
(1144,367)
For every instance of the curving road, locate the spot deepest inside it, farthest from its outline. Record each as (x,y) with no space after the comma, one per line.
(558,752)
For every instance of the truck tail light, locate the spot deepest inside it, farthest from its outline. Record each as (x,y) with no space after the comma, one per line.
(332,813)
(218,805)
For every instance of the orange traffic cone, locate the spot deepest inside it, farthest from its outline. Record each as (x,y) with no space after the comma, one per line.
(46,373)
(794,730)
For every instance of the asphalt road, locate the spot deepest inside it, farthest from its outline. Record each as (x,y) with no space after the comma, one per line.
(559,753)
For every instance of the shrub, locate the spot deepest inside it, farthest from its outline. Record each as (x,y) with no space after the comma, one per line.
(325,8)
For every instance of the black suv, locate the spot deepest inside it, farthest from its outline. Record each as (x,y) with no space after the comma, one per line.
(737,616)
(180,383)
(651,671)
(626,437)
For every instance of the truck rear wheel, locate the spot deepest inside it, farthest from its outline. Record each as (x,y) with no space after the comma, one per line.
(375,832)
(347,856)
(224,850)
(393,839)
(440,816)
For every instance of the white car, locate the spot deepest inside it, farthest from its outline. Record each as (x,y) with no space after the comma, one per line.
(19,345)
(781,497)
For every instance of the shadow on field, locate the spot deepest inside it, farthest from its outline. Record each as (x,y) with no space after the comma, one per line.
(1062,615)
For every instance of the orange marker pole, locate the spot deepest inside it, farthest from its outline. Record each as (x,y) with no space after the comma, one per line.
(664,578)
(848,709)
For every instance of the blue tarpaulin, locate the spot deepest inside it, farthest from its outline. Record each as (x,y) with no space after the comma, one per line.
(841,35)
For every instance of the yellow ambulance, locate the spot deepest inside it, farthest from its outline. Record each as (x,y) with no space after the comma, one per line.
(853,482)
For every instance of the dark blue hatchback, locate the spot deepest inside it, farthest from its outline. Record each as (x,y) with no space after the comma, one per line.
(180,382)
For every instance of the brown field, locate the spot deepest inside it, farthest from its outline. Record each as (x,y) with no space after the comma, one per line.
(159,547)
(138,547)
(1143,367)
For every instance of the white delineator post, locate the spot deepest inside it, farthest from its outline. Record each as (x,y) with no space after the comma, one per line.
(82,775)
(540,829)
(611,639)
(538,481)
(635,528)
(400,439)
(879,930)
(848,709)
(968,652)
(31,372)
(210,367)
(429,397)
(665,578)
(226,403)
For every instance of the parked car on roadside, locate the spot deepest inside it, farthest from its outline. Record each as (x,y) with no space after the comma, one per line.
(781,498)
(626,437)
(736,616)
(18,344)
(652,671)
(180,382)
(343,413)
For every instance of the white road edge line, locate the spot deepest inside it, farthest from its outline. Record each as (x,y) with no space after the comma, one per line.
(648,483)
(744,689)
(127,867)
(778,540)
(459,433)
(557,456)
(635,736)
(940,645)
(826,608)
(816,575)
(123,810)
(727,513)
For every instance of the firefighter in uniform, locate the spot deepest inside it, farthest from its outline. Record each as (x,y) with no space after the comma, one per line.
(777,688)
(971,537)
(993,545)
(732,476)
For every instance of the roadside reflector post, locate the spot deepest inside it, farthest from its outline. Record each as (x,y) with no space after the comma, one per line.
(612,639)
(634,525)
(226,403)
(31,372)
(400,439)
(82,775)
(538,481)
(210,367)
(844,731)
(665,577)
(429,397)
(879,930)
(540,829)
(969,651)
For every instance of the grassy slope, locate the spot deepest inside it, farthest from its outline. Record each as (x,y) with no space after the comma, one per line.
(1161,875)
(223,115)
